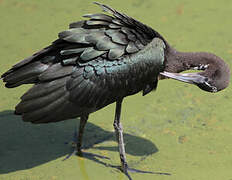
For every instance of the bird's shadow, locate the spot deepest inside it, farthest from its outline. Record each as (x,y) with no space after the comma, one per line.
(25,145)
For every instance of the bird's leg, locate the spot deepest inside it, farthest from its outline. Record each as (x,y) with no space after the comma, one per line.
(119,137)
(77,142)
(82,124)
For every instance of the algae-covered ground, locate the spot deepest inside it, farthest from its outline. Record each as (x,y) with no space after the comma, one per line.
(178,129)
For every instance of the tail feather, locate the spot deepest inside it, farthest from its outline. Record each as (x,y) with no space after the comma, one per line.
(41,113)
(32,58)
(29,80)
(40,102)
(55,71)
(65,110)
(41,90)
(28,60)
(24,75)
(48,102)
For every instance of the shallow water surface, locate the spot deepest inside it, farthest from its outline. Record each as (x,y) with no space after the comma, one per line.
(178,129)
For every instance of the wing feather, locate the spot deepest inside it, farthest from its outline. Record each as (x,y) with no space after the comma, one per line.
(99,17)
(91,53)
(85,69)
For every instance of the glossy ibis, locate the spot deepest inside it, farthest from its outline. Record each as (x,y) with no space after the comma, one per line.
(100,61)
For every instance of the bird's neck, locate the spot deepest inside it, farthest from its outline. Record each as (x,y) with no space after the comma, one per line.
(212,66)
(177,61)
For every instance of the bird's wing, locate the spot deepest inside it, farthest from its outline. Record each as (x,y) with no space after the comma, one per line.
(84,70)
(106,42)
(102,37)
(109,37)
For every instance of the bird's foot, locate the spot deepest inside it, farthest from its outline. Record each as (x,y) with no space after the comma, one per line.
(73,152)
(76,150)
(84,154)
(125,169)
(148,172)
(75,146)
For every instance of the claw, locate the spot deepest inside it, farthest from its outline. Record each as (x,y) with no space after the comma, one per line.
(69,155)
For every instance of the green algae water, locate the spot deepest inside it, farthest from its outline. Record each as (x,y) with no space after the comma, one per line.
(178,129)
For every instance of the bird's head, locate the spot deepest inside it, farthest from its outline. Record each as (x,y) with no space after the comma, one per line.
(213,77)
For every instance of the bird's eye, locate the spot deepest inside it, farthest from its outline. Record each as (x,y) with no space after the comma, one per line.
(210,87)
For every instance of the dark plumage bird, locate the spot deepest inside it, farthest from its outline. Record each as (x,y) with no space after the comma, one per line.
(100,61)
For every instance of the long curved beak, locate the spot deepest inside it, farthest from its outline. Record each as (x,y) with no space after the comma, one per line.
(192,78)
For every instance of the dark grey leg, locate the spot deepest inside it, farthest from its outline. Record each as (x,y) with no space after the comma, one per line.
(119,136)
(77,142)
(83,121)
